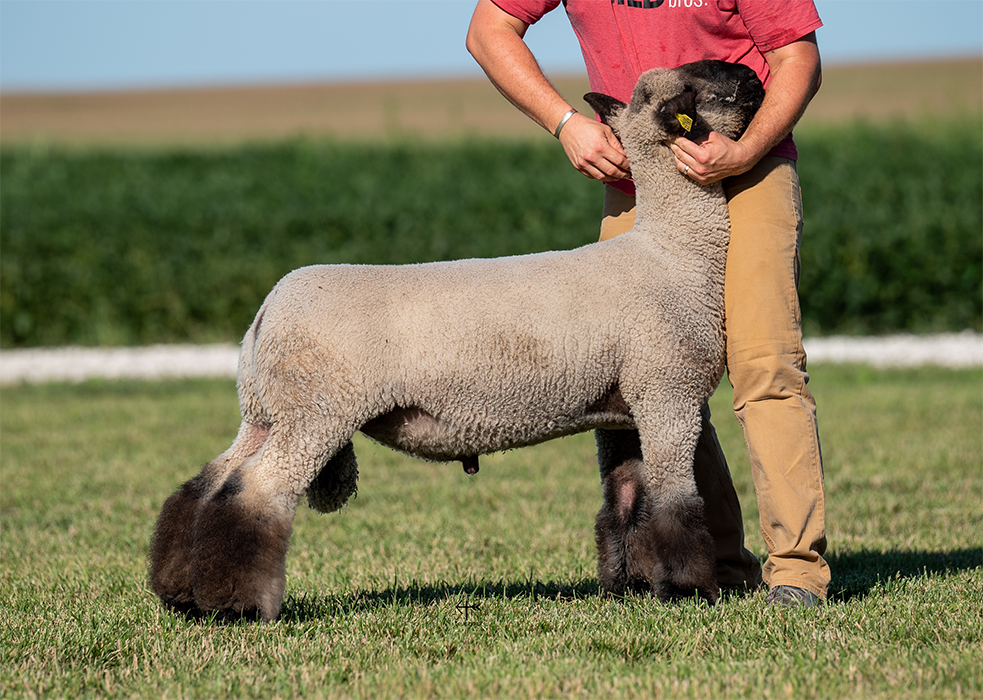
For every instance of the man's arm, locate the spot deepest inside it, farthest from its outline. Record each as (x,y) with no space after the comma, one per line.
(796,73)
(496,40)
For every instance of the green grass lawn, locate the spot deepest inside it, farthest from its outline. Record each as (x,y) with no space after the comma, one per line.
(434,584)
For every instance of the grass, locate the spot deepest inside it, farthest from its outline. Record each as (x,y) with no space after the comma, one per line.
(433,584)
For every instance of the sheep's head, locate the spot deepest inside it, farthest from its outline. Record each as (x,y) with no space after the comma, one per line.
(689,101)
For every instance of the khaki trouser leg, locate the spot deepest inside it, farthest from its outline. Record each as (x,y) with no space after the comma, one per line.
(617,215)
(766,365)
(737,568)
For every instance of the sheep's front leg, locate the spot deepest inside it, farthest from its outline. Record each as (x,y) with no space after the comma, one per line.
(239,551)
(619,457)
(685,552)
(170,548)
(651,533)
(686,555)
(335,483)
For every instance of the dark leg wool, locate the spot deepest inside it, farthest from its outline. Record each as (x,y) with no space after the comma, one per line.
(687,555)
(666,551)
(170,547)
(238,556)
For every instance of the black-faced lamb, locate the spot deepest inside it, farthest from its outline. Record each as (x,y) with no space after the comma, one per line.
(452,360)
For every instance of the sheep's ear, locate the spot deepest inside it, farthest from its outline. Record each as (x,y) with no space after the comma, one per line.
(677,116)
(608,108)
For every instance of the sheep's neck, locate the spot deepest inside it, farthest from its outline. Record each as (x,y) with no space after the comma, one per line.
(686,218)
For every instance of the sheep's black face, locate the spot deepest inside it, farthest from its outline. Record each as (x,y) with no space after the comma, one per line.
(690,101)
(727,94)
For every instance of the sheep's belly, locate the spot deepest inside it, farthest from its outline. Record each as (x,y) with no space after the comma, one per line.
(417,432)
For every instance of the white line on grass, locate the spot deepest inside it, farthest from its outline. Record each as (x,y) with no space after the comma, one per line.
(75,364)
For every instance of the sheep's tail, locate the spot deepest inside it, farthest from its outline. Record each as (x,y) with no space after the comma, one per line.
(247,383)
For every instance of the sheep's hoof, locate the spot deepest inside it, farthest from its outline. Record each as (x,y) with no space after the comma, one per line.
(686,564)
(239,558)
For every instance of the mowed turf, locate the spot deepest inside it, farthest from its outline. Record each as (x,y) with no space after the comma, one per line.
(434,584)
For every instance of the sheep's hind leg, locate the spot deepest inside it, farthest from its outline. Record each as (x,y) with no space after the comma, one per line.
(619,457)
(242,531)
(169,557)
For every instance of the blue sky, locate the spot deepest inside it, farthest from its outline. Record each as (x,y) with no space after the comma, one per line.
(112,44)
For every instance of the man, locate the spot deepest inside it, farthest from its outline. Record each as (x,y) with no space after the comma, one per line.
(621,39)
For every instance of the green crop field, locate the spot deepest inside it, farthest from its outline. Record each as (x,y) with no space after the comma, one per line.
(114,247)
(435,584)
(148,217)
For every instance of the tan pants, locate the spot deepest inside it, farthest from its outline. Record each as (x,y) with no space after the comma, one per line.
(766,366)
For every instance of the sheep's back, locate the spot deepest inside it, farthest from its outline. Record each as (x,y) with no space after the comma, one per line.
(539,335)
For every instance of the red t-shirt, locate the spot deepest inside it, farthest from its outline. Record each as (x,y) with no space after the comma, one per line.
(621,39)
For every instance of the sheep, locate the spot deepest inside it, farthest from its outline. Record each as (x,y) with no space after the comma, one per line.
(452,360)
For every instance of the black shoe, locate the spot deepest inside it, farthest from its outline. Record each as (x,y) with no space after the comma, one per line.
(791,597)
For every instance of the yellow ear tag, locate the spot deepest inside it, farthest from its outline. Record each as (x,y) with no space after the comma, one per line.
(685,121)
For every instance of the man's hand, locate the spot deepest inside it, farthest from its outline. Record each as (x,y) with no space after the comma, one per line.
(713,159)
(593,149)
(796,73)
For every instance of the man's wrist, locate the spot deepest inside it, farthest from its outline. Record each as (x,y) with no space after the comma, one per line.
(563,120)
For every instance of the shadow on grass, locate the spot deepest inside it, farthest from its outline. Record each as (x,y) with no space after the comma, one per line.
(465,596)
(855,574)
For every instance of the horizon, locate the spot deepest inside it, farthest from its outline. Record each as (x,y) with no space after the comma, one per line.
(288,84)
(109,46)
